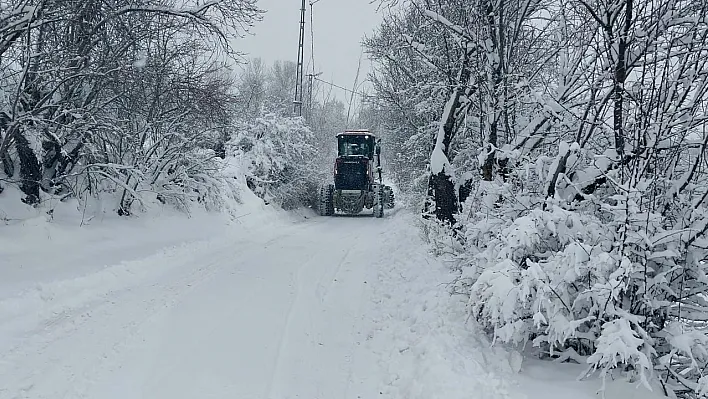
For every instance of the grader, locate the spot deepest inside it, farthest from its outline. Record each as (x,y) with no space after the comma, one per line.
(358,182)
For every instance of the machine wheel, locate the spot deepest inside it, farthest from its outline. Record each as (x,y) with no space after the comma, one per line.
(326,203)
(388,199)
(379,203)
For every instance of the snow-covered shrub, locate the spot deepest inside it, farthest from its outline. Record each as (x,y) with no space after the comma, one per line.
(617,281)
(280,158)
(177,171)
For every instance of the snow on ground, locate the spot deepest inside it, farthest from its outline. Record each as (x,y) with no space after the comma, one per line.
(71,243)
(267,305)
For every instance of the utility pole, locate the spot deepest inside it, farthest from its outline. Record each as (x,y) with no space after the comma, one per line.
(298,79)
(311,77)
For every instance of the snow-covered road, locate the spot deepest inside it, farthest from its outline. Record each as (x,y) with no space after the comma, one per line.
(276,313)
(265,307)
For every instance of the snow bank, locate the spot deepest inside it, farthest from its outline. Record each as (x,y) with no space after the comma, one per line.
(420,335)
(52,269)
(61,240)
(54,261)
(430,349)
(542,379)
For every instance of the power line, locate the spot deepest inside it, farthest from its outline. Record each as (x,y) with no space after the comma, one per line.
(339,87)
(360,94)
(314,75)
(368,98)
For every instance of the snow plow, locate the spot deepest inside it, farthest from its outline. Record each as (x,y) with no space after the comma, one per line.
(358,183)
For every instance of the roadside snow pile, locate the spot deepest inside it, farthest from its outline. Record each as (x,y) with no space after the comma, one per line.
(431,349)
(38,246)
(420,336)
(545,380)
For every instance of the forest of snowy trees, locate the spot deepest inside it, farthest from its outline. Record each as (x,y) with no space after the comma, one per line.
(566,145)
(127,102)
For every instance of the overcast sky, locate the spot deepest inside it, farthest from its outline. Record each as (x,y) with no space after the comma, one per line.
(339,26)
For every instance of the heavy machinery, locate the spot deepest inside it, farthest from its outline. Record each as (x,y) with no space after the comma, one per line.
(355,184)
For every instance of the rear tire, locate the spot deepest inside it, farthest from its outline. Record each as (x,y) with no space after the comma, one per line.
(388,199)
(326,202)
(379,202)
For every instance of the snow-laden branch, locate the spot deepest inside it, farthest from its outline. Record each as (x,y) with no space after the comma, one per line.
(461,34)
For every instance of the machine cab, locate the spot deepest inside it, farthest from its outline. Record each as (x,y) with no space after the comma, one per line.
(353,169)
(355,143)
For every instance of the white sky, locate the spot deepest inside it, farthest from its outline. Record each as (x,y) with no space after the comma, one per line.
(339,26)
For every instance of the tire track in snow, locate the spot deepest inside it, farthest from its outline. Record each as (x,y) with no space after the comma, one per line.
(328,279)
(51,306)
(351,352)
(277,369)
(318,260)
(81,323)
(303,359)
(286,329)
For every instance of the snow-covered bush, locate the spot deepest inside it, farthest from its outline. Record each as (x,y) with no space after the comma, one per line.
(280,159)
(616,281)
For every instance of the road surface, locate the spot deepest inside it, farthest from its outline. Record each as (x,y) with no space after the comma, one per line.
(281,312)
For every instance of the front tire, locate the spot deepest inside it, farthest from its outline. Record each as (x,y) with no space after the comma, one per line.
(379,202)
(326,200)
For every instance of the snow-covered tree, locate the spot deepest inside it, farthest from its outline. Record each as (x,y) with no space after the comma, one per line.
(467,63)
(410,89)
(279,156)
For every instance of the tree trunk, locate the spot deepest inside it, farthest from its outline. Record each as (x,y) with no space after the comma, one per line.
(441,187)
(488,166)
(619,81)
(444,197)
(30,170)
(495,21)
